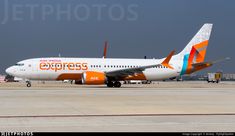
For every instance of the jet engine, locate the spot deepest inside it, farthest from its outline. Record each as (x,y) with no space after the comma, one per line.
(93,78)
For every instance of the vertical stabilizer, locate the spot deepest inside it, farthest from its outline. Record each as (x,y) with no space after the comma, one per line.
(196,48)
(195,51)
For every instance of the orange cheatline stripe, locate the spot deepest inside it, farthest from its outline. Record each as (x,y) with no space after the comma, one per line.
(70,76)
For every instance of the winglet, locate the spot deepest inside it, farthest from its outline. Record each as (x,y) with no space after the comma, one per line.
(105,49)
(167,60)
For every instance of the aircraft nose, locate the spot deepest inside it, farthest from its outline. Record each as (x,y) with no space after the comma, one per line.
(9,71)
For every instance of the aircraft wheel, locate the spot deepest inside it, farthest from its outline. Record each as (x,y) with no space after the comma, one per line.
(28,84)
(117,84)
(110,84)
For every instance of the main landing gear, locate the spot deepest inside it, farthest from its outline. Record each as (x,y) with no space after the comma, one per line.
(116,84)
(28,84)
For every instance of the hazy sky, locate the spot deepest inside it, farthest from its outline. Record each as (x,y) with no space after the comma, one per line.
(133,28)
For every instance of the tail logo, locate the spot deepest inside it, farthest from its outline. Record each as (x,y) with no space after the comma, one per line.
(197,55)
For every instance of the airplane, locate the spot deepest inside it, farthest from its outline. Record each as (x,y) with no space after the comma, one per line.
(110,71)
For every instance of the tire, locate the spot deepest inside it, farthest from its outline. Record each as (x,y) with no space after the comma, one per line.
(117,84)
(28,84)
(110,84)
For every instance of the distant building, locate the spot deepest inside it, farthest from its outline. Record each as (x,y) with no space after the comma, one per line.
(228,77)
(225,77)
(193,77)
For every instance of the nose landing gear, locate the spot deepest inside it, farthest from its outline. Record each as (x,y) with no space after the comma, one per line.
(28,84)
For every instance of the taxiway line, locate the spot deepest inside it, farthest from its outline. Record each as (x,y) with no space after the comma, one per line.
(117,115)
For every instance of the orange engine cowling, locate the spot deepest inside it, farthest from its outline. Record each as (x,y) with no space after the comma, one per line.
(93,78)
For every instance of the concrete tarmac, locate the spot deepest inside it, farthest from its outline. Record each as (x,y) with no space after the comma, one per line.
(163,106)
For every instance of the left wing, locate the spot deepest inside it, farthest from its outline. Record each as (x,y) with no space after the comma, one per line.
(137,70)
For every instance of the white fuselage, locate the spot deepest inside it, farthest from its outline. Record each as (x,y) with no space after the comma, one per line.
(53,68)
(111,71)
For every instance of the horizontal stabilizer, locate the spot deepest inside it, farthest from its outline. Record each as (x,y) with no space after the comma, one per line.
(210,62)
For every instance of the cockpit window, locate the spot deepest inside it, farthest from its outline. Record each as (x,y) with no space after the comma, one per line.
(19,64)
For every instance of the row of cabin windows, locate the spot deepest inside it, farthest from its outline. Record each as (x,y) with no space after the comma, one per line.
(114,66)
(123,66)
(160,66)
(105,66)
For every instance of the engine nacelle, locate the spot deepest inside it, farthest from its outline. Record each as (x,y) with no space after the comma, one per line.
(93,78)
